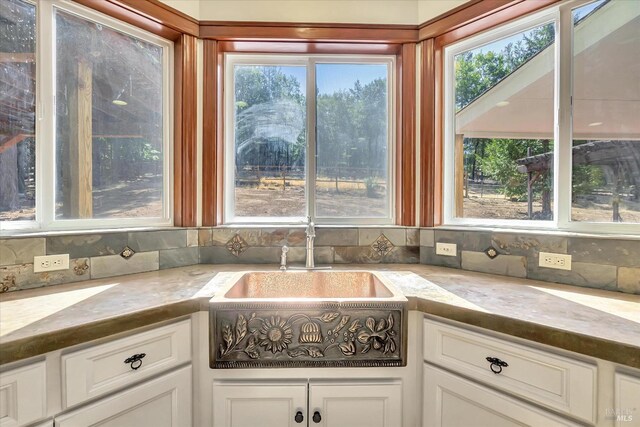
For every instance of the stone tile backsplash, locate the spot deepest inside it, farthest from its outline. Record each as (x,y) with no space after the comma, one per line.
(604,263)
(98,255)
(612,264)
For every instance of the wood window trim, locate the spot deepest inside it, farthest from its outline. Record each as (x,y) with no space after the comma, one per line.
(150,15)
(461,24)
(306,32)
(185,133)
(213,142)
(158,18)
(406,137)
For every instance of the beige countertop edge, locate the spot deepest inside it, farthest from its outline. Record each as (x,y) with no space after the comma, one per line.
(36,345)
(612,351)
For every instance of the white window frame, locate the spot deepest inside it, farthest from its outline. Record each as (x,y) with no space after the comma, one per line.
(561,16)
(46,126)
(309,61)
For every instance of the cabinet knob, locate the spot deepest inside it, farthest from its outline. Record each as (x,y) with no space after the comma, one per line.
(299,417)
(316,417)
(496,364)
(135,361)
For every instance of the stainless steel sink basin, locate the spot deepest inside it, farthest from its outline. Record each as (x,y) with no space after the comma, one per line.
(309,284)
(308,319)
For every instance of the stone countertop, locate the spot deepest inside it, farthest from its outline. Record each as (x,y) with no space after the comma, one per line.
(595,323)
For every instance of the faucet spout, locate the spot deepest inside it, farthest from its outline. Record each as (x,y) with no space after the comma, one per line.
(283,258)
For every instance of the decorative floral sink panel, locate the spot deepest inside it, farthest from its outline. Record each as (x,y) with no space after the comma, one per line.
(330,322)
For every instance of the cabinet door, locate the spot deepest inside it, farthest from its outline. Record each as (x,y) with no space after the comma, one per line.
(627,398)
(163,402)
(23,395)
(451,401)
(259,403)
(366,403)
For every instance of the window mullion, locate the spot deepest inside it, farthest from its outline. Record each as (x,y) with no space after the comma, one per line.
(45,128)
(311,138)
(563,158)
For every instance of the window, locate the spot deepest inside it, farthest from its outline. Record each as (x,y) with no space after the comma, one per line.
(606,112)
(92,149)
(541,125)
(308,136)
(18,107)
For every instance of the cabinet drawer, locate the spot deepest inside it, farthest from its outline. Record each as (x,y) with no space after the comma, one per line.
(23,396)
(99,369)
(557,382)
(161,402)
(451,401)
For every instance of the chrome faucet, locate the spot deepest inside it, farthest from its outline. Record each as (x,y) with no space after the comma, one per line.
(311,235)
(309,264)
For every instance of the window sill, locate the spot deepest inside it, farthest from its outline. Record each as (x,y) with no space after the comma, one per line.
(538,231)
(8,234)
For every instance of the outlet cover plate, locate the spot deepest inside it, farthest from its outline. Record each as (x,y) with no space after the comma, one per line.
(446,249)
(552,260)
(50,263)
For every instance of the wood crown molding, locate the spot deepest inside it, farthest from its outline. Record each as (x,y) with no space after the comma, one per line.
(150,15)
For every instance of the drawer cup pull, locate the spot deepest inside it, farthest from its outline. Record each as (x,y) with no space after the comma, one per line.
(135,361)
(496,364)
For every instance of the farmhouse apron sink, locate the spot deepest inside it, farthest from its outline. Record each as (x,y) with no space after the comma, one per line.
(308,319)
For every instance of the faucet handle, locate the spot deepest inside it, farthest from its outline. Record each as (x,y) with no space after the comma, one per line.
(311,231)
(283,258)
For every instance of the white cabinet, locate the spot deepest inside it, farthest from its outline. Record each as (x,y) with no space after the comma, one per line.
(561,383)
(451,401)
(355,404)
(259,403)
(23,397)
(103,368)
(481,372)
(331,403)
(161,402)
(627,401)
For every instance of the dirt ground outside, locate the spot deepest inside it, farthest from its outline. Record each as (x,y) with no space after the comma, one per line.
(271,199)
(143,198)
(494,205)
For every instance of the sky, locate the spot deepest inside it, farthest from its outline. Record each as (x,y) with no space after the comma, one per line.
(334,77)
(498,45)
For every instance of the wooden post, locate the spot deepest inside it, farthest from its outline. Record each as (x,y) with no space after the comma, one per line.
(615,196)
(459,177)
(81,144)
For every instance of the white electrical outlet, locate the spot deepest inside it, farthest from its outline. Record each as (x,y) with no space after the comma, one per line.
(551,260)
(446,249)
(50,263)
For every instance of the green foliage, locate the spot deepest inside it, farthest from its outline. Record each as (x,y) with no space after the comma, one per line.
(477,72)
(270,123)
(499,163)
(370,184)
(259,85)
(352,128)
(270,111)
